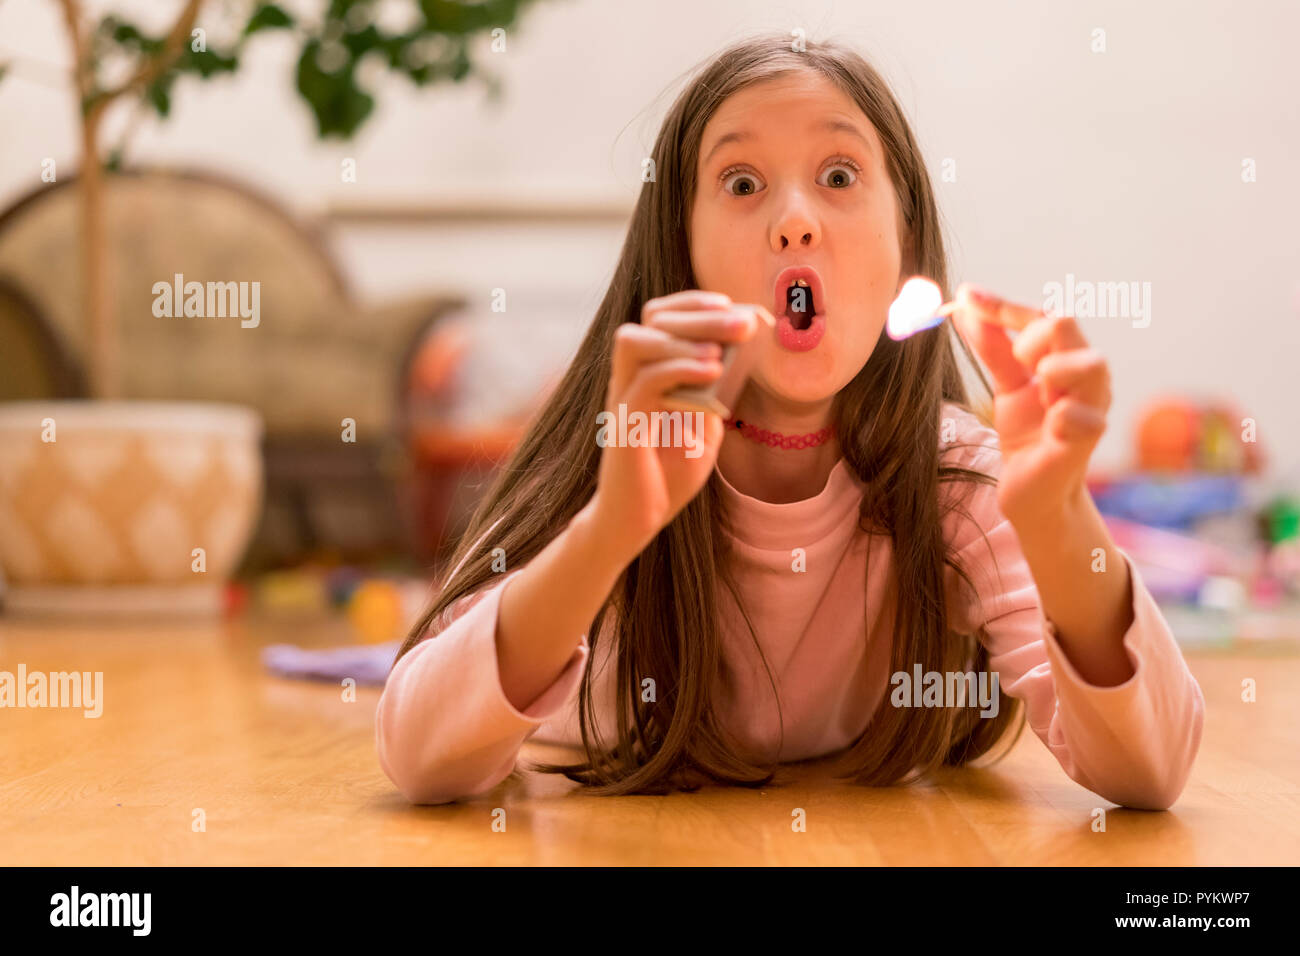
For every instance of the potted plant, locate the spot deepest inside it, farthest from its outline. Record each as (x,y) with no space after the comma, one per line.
(116,504)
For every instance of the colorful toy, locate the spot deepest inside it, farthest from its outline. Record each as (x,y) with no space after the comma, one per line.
(382,609)
(1168,501)
(375,611)
(1176,566)
(293,590)
(1178,434)
(236,598)
(1282,518)
(342,583)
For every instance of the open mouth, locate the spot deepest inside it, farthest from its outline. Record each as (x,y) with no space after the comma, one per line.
(799,304)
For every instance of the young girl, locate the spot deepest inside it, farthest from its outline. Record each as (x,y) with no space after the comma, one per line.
(854,529)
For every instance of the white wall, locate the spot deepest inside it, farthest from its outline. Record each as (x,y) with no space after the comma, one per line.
(1115,166)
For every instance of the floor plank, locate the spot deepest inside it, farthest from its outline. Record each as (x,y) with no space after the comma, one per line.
(285,773)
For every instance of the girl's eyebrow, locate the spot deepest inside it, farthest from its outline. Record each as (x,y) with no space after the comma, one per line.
(830,126)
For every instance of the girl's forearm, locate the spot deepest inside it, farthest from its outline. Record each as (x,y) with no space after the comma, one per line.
(546,608)
(1091,608)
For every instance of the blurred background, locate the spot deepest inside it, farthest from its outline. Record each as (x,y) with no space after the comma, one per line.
(432,195)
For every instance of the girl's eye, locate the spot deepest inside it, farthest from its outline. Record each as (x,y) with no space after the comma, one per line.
(746,180)
(843,173)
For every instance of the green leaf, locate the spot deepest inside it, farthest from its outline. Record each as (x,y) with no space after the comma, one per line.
(394,48)
(128,36)
(159,95)
(445,16)
(460,65)
(123,33)
(206,63)
(339,104)
(362,42)
(268,16)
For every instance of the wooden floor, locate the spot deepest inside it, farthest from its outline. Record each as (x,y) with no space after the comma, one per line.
(285,773)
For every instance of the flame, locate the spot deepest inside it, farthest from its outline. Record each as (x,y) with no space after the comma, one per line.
(915,307)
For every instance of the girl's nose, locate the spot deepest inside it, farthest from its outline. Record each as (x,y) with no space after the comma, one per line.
(796,227)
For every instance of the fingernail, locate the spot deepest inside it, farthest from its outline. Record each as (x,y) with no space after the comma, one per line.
(982,297)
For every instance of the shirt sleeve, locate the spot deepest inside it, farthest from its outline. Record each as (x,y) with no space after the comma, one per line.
(1133,743)
(444,728)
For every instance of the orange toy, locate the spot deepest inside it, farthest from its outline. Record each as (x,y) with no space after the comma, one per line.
(375,611)
(1176,434)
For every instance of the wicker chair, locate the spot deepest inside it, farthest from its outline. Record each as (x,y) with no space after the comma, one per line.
(315,358)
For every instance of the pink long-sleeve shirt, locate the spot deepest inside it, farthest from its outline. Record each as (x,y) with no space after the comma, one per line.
(445,730)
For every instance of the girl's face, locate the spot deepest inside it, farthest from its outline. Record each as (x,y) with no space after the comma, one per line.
(792,173)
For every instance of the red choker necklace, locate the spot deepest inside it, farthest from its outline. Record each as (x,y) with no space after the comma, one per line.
(776,439)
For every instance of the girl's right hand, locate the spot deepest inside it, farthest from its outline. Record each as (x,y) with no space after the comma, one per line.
(639,490)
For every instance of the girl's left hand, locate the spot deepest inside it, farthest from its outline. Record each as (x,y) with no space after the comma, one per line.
(1051,396)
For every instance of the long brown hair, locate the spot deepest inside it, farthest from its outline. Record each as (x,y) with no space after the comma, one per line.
(664,607)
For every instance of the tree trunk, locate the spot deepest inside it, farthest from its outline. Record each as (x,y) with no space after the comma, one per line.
(102,347)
